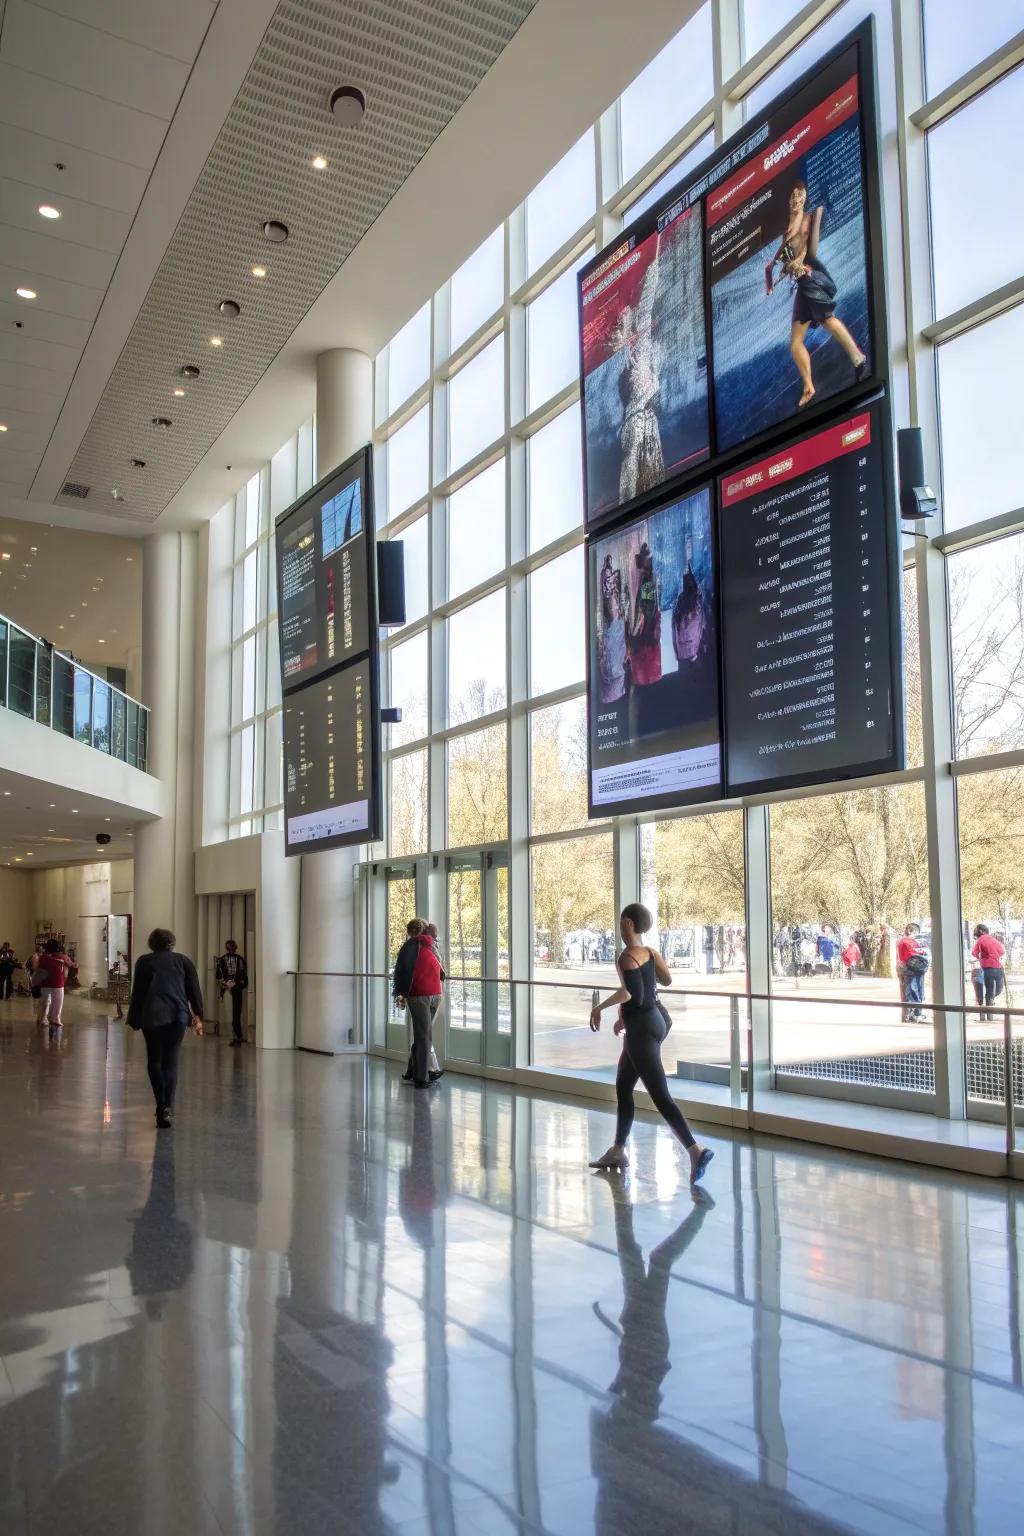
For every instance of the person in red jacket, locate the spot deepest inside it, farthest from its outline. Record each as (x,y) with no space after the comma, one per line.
(851,958)
(417,981)
(990,952)
(911,967)
(57,966)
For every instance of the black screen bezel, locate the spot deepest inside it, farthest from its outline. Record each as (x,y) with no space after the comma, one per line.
(362,460)
(878,407)
(716,462)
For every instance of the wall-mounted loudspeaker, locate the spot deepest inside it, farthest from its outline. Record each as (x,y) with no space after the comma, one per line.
(917,499)
(390,583)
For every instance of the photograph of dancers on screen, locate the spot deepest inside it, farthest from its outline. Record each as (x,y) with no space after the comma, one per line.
(814,292)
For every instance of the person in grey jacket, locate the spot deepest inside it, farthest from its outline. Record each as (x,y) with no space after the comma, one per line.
(166,1000)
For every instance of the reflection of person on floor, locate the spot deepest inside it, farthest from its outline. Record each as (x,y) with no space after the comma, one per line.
(643,464)
(160,1260)
(417,1186)
(814,303)
(645,623)
(625,1437)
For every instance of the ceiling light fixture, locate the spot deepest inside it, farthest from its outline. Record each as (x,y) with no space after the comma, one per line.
(26,293)
(318,163)
(229,309)
(259,271)
(216,341)
(276,231)
(179,394)
(3,426)
(48,211)
(189,371)
(348,103)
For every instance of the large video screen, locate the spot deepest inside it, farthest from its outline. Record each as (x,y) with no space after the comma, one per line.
(810,562)
(331,762)
(644,358)
(325,572)
(653,663)
(787,258)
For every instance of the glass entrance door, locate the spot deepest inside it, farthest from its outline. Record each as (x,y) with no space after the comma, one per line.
(478,1013)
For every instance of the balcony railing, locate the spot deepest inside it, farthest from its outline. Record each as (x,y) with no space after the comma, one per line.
(42,684)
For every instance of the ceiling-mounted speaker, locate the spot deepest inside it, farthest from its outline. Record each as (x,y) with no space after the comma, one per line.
(917,499)
(391,583)
(348,103)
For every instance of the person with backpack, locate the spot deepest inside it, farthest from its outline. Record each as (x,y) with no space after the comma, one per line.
(911,968)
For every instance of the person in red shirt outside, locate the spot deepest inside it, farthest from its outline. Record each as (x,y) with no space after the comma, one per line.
(990,952)
(56,966)
(910,952)
(851,958)
(417,981)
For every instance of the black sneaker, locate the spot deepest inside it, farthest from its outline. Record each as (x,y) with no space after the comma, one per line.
(163,1119)
(436,1076)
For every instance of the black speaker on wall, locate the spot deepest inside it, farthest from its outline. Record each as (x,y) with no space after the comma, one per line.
(917,499)
(391,583)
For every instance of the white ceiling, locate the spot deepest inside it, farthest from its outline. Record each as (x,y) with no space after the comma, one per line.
(251,115)
(90,85)
(43,824)
(82,590)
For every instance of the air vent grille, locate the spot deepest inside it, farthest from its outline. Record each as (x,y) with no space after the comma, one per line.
(75,488)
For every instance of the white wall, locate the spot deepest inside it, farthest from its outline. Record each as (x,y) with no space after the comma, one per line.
(16,911)
(75,898)
(50,758)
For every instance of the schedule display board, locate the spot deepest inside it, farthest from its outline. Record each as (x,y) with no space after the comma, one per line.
(653,660)
(810,561)
(331,761)
(327,607)
(325,572)
(748,300)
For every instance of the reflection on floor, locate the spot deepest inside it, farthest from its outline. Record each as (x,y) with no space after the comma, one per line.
(325,1302)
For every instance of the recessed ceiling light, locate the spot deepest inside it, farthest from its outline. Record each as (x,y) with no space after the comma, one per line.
(101,642)
(48,211)
(229,309)
(179,394)
(259,271)
(28,855)
(74,813)
(129,559)
(106,818)
(5,554)
(53,805)
(3,427)
(60,626)
(216,341)
(348,103)
(26,293)
(6,791)
(318,163)
(276,231)
(17,858)
(33,549)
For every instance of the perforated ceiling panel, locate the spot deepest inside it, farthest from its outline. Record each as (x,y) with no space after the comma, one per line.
(417,61)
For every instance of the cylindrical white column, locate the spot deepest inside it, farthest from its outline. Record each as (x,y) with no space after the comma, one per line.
(326,1005)
(164,852)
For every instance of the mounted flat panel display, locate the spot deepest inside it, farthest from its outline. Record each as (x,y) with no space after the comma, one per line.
(332,761)
(747,302)
(643,358)
(788,255)
(325,574)
(653,686)
(811,590)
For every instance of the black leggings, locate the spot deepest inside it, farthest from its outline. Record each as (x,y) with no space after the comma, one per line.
(163,1047)
(641,1061)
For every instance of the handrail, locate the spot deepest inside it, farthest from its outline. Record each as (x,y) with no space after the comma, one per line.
(71,660)
(751,997)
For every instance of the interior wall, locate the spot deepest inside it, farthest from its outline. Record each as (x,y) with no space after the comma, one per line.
(16,910)
(75,898)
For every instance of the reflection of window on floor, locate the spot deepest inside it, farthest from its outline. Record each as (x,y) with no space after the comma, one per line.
(991,822)
(849,879)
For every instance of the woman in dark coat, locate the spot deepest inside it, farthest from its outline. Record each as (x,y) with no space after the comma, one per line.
(166,1000)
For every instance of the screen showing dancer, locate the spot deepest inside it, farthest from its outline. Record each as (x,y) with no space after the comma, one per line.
(653,610)
(644,357)
(787,259)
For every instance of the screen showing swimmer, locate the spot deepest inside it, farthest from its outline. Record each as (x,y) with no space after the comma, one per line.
(788,258)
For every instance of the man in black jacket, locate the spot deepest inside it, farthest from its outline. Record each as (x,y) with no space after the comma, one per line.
(166,999)
(233,975)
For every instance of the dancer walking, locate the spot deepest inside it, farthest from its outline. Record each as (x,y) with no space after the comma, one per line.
(644,1025)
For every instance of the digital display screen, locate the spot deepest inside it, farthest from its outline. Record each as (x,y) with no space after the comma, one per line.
(644,359)
(324,552)
(331,772)
(653,664)
(787,259)
(810,602)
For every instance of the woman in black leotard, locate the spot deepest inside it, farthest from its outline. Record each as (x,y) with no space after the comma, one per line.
(645,1026)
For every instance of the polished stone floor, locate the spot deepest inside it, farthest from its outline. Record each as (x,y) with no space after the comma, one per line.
(326,1303)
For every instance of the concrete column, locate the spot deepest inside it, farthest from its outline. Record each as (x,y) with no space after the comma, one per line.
(164,860)
(326,1009)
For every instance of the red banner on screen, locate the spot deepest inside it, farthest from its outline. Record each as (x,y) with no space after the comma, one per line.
(800,459)
(774,158)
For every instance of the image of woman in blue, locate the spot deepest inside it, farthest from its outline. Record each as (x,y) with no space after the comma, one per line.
(814,302)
